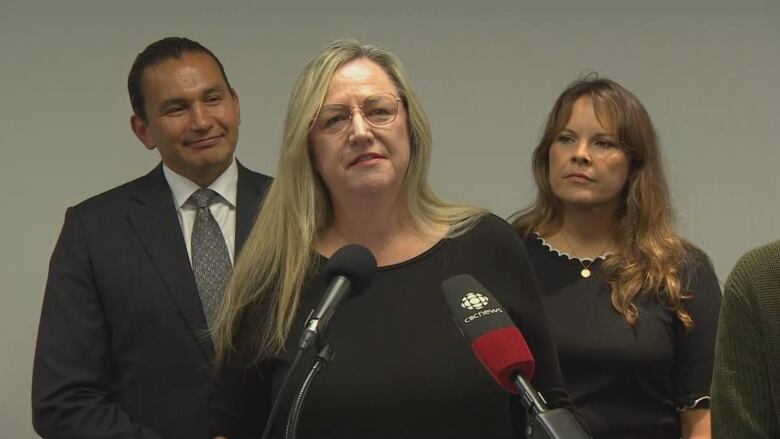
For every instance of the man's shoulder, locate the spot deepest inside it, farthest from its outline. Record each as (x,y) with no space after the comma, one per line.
(756,272)
(253,177)
(761,259)
(120,194)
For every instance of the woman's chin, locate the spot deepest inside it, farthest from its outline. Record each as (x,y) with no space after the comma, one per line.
(374,184)
(588,202)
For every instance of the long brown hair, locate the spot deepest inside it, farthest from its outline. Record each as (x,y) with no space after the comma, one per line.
(650,255)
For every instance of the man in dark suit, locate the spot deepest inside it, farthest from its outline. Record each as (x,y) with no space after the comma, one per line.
(124,349)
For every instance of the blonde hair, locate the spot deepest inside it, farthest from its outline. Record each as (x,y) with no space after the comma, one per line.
(263,294)
(650,254)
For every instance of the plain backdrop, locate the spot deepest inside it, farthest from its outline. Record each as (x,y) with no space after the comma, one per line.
(486,72)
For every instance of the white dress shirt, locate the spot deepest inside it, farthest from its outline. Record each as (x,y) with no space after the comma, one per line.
(223,208)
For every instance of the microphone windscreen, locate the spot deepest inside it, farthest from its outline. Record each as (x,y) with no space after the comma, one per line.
(354,262)
(494,338)
(504,353)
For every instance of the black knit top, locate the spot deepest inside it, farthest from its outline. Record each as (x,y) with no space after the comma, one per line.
(402,369)
(628,382)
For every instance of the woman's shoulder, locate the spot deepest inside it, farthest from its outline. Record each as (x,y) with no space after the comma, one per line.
(492,226)
(492,232)
(698,277)
(695,260)
(490,221)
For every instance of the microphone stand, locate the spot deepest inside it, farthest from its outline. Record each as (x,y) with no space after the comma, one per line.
(321,360)
(544,423)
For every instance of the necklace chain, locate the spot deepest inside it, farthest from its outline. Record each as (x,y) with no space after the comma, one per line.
(585,272)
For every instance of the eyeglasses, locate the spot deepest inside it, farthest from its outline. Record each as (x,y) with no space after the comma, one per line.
(378,110)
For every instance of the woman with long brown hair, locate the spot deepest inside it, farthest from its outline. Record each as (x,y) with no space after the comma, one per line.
(632,306)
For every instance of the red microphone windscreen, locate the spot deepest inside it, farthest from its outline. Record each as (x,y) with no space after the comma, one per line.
(504,352)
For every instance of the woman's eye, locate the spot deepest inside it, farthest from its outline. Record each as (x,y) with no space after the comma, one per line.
(566,139)
(334,120)
(604,143)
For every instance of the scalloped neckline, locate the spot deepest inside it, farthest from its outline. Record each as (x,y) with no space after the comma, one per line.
(570,257)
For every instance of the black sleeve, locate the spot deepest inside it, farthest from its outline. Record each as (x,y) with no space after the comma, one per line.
(695,349)
(241,400)
(532,322)
(524,303)
(72,368)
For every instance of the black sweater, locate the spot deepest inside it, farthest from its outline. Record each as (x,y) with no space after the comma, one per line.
(402,369)
(629,382)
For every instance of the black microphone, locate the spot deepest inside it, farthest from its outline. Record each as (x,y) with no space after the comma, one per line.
(501,348)
(348,272)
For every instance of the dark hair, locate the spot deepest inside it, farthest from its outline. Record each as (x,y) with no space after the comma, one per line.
(157,52)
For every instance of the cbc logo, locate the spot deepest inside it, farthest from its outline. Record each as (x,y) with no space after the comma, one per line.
(472,301)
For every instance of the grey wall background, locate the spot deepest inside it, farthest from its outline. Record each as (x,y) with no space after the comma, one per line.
(487,74)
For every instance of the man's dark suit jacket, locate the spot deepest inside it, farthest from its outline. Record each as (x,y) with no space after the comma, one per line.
(123,350)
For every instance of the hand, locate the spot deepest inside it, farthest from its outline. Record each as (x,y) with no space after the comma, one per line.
(695,424)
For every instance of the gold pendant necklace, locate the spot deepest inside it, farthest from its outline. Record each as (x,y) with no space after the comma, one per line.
(585,272)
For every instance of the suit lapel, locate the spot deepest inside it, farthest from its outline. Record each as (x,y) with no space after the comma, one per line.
(248,197)
(153,215)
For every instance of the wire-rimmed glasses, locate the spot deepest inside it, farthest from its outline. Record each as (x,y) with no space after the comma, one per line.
(377,110)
